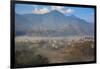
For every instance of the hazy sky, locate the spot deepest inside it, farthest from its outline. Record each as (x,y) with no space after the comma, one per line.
(83,13)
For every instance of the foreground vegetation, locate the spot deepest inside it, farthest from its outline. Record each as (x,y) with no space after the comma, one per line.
(39,52)
(25,56)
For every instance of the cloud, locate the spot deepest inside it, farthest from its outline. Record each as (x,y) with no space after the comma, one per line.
(40,11)
(62,9)
(44,10)
(68,11)
(56,7)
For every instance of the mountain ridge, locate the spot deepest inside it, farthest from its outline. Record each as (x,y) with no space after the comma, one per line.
(53,23)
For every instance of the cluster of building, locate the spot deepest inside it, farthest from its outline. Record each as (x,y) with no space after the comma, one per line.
(59,43)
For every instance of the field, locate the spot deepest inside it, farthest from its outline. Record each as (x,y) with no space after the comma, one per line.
(32,51)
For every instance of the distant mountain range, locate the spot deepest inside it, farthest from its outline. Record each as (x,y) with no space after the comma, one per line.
(53,23)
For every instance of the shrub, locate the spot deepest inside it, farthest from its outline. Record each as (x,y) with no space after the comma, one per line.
(25,58)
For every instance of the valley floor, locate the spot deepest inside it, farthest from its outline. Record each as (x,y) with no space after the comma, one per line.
(29,50)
